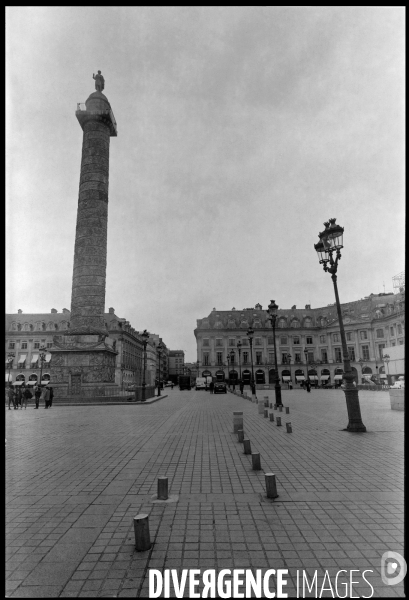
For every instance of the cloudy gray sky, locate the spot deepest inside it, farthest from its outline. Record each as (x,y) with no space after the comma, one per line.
(240,131)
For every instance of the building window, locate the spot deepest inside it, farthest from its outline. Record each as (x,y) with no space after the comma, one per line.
(400,342)
(281,324)
(323,339)
(257,341)
(295,324)
(399,329)
(381,347)
(219,342)
(270,341)
(11,345)
(283,340)
(324,356)
(283,358)
(245,342)
(296,340)
(24,345)
(206,342)
(335,337)
(364,335)
(271,357)
(309,340)
(297,357)
(349,335)
(379,333)
(392,331)
(365,352)
(206,359)
(310,358)
(219,358)
(259,358)
(338,355)
(245,358)
(393,343)
(351,352)
(36,345)
(232,342)
(49,344)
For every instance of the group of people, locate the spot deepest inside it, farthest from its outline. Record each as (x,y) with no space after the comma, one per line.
(22,394)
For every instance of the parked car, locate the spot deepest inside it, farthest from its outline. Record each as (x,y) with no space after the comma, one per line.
(220,387)
(169,383)
(399,384)
(184,382)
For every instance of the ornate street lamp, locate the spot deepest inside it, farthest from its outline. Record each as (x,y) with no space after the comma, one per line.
(239,350)
(306,364)
(232,368)
(330,245)
(250,335)
(272,312)
(145,337)
(159,351)
(386,358)
(228,369)
(197,368)
(42,352)
(10,357)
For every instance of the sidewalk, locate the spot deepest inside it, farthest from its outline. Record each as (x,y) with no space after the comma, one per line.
(76,477)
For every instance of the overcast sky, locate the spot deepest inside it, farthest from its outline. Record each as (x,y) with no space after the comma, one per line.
(240,131)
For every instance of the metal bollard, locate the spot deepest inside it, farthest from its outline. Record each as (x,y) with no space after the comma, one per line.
(266,413)
(255,458)
(289,428)
(237,421)
(275,407)
(240,434)
(271,486)
(266,401)
(280,408)
(271,405)
(287,410)
(141,528)
(247,446)
(278,421)
(271,416)
(163,488)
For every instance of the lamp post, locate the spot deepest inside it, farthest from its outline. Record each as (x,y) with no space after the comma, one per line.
(272,312)
(145,337)
(250,335)
(289,359)
(10,357)
(362,362)
(330,245)
(232,367)
(159,351)
(197,368)
(42,352)
(306,364)
(239,351)
(386,359)
(228,369)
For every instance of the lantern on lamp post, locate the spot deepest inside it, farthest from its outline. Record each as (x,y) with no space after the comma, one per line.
(232,368)
(250,335)
(329,253)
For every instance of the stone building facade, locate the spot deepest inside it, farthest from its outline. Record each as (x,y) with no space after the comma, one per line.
(176,364)
(26,333)
(371,324)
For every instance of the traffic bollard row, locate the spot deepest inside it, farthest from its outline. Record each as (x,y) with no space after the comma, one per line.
(266,413)
(240,434)
(141,529)
(278,421)
(162,488)
(280,408)
(247,446)
(237,421)
(271,417)
(287,410)
(289,428)
(271,486)
(255,459)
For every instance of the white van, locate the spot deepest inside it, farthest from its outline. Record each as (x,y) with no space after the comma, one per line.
(200,383)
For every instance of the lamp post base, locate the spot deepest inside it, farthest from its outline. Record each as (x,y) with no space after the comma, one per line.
(143,392)
(355,423)
(277,389)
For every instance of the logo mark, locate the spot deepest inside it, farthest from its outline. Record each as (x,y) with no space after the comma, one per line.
(392,563)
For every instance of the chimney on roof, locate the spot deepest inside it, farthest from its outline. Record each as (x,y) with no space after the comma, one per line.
(293,307)
(54,310)
(308,306)
(65,310)
(111,310)
(19,311)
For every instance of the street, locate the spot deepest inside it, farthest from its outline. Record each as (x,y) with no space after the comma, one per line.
(76,477)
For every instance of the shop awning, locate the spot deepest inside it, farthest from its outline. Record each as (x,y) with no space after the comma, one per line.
(286,378)
(22,359)
(31,383)
(8,360)
(313,377)
(300,377)
(324,377)
(47,357)
(383,376)
(18,382)
(9,377)
(34,358)
(338,377)
(45,382)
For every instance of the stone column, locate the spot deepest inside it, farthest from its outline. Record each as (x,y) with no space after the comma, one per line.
(83,357)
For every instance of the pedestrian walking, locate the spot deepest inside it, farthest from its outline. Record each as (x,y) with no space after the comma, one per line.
(37,395)
(27,395)
(241,387)
(290,385)
(46,396)
(308,385)
(18,397)
(171,386)
(51,396)
(211,387)
(11,398)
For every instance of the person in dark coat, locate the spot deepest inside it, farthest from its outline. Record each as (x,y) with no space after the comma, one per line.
(50,403)
(241,387)
(11,396)
(37,395)
(211,387)
(308,385)
(18,397)
(27,395)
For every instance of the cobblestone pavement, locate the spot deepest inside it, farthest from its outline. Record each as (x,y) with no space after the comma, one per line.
(76,477)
